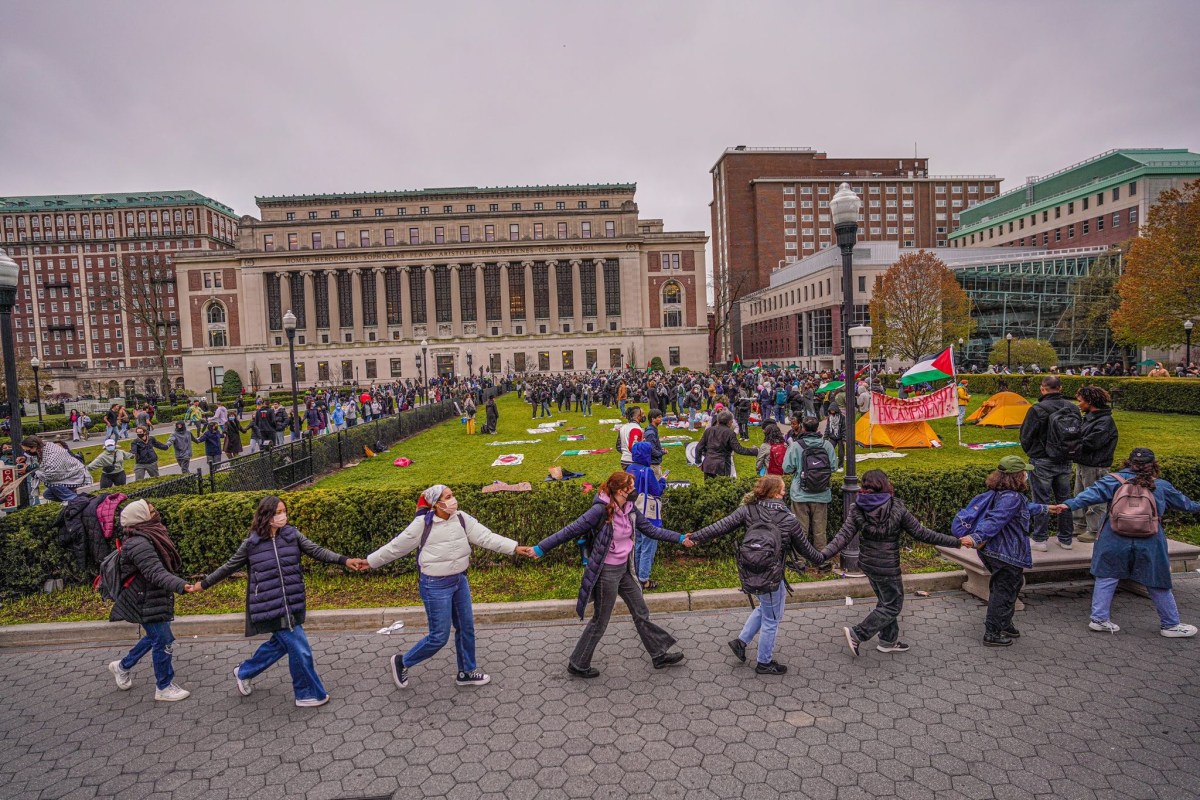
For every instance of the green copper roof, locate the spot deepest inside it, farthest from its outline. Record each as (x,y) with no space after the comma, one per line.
(108,202)
(417,194)
(1087,177)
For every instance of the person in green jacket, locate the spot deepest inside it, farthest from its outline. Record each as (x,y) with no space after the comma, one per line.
(810,492)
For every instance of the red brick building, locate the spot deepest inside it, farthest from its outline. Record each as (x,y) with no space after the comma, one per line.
(771,206)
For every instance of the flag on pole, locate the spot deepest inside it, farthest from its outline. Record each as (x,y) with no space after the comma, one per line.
(939,368)
(737,363)
(758,366)
(648,363)
(859,374)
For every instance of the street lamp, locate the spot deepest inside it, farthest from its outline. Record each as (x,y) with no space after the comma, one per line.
(470,368)
(289,327)
(10,274)
(844,207)
(1187,335)
(425,356)
(37,390)
(1009,338)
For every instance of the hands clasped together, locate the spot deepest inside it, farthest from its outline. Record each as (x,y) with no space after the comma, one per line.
(354,564)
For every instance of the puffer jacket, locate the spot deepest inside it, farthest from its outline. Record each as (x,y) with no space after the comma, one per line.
(772,515)
(150,597)
(1099,439)
(716,448)
(275,597)
(880,519)
(447,551)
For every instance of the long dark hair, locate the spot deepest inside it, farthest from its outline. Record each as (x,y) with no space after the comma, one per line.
(262,516)
(772,434)
(1143,474)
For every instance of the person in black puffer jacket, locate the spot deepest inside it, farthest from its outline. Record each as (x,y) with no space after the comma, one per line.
(1098,443)
(275,601)
(767,518)
(879,517)
(149,565)
(717,445)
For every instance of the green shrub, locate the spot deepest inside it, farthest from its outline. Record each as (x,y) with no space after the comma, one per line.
(1163,395)
(231,384)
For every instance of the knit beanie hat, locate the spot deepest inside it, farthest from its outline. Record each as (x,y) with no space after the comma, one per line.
(135,513)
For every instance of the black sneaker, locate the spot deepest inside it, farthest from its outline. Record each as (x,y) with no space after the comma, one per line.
(668,660)
(739,649)
(996,640)
(399,671)
(773,668)
(590,672)
(1012,632)
(851,641)
(474,678)
(892,647)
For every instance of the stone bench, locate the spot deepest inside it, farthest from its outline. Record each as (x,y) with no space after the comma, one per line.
(1057,564)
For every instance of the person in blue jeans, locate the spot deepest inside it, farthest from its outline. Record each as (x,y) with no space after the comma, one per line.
(443,537)
(150,564)
(275,601)
(1116,556)
(649,488)
(765,516)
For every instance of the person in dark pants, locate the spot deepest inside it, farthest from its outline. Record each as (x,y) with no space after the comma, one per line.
(611,523)
(1051,479)
(1000,535)
(880,518)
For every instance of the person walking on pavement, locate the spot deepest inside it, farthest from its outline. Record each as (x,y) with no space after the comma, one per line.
(1050,436)
(181,441)
(443,537)
(275,598)
(145,460)
(111,463)
(150,564)
(1098,443)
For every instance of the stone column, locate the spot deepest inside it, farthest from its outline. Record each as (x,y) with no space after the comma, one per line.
(431,325)
(455,301)
(601,296)
(356,303)
(530,304)
(505,301)
(406,314)
(381,328)
(310,307)
(552,278)
(576,297)
(481,321)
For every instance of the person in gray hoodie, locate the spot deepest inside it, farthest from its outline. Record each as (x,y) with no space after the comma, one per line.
(181,441)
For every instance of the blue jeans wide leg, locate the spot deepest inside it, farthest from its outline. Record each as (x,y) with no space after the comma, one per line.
(764,621)
(643,556)
(445,599)
(462,616)
(306,684)
(1051,483)
(157,641)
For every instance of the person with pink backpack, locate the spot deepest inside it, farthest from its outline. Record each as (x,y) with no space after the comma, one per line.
(1132,544)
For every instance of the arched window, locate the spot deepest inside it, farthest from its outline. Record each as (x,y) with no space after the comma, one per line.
(179,381)
(151,386)
(215,317)
(130,390)
(672,293)
(672,300)
(215,312)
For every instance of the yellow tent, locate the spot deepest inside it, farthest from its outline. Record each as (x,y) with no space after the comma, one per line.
(903,434)
(1001,410)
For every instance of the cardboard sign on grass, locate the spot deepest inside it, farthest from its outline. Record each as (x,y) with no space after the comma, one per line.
(510,460)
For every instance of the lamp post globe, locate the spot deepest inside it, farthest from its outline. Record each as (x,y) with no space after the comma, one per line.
(10,275)
(1187,334)
(289,327)
(844,208)
(425,357)
(1009,337)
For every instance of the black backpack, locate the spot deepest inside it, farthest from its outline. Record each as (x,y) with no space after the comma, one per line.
(760,559)
(816,470)
(1064,434)
(109,582)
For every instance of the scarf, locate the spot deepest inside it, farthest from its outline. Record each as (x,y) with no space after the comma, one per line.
(156,532)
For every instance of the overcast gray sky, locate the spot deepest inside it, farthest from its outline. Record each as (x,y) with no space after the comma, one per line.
(235,99)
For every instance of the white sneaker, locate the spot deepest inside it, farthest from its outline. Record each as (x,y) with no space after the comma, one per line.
(1180,631)
(172,694)
(1107,626)
(1065,545)
(1041,547)
(123,676)
(312,702)
(243,684)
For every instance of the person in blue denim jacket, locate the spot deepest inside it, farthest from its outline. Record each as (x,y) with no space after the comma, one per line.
(1001,535)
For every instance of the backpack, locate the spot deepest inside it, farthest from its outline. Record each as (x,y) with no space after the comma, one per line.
(1133,511)
(965,520)
(1064,434)
(760,559)
(816,470)
(780,397)
(775,462)
(109,582)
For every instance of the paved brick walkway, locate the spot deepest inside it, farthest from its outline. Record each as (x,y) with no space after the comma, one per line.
(1065,713)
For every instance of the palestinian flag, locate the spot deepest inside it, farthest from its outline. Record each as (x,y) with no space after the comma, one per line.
(737,363)
(940,368)
(758,366)
(831,386)
(860,373)
(648,363)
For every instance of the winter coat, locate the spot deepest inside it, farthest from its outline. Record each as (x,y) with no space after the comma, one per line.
(72,535)
(263,424)
(1034,429)
(212,443)
(595,521)
(233,437)
(275,597)
(58,466)
(716,448)
(447,551)
(1116,556)
(793,464)
(646,483)
(880,519)
(1099,441)
(771,515)
(1003,530)
(143,451)
(181,444)
(650,435)
(150,597)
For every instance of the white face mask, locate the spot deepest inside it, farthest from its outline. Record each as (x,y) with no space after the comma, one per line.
(450,505)
(279,520)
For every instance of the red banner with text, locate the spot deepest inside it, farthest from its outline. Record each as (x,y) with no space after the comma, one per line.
(887,410)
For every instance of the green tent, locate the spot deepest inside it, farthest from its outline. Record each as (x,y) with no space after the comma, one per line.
(1149,362)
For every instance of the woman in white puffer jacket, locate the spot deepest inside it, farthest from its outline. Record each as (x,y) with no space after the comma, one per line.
(443,537)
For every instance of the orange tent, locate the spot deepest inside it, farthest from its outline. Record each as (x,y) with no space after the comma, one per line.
(1002,410)
(903,434)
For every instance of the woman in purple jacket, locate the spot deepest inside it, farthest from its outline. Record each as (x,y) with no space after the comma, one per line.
(610,525)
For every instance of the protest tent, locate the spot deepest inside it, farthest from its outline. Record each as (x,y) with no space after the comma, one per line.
(895,434)
(1002,410)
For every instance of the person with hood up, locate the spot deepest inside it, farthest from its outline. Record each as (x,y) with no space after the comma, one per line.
(150,566)
(145,460)
(492,416)
(649,489)
(443,536)
(879,518)
(211,439)
(718,443)
(181,443)
(766,517)
(610,525)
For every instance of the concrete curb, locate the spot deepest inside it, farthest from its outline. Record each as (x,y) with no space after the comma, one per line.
(372,619)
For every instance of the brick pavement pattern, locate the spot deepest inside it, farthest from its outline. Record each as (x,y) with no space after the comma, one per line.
(1064,713)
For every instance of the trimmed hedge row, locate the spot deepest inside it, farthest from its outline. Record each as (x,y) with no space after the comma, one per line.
(1169,395)
(356,521)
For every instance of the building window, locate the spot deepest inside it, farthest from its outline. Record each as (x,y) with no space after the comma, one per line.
(585,230)
(372,369)
(1070,231)
(293,241)
(1087,227)
(414,236)
(562,230)
(356,212)
(312,215)
(537,230)
(424,209)
(389,236)
(470,208)
(447,209)
(268,242)
(1099,224)
(396,365)
(335,214)
(291,215)
(364,238)
(1132,188)
(400,212)
(610,229)
(568,360)
(1133,216)
(464,233)
(544,360)
(489,233)
(493,206)
(276,373)
(537,206)
(514,232)
(439,235)
(1116,219)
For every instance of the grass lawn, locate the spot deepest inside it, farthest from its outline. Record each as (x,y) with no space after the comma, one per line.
(447,454)
(165,457)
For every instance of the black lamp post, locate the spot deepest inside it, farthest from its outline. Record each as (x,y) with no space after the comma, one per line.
(1009,338)
(1187,335)
(36,364)
(425,357)
(470,367)
(289,327)
(10,274)
(844,207)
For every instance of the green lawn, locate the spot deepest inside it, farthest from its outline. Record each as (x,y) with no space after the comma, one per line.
(447,454)
(165,457)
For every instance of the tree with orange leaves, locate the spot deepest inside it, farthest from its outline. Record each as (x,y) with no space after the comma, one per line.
(918,308)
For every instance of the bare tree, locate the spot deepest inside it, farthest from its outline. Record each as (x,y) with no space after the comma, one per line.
(918,307)
(723,303)
(144,292)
